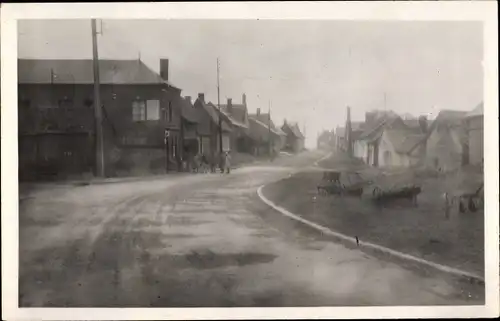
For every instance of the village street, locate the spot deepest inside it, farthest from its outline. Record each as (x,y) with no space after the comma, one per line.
(197,240)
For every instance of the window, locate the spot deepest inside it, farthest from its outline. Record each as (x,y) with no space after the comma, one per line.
(153,110)
(138,111)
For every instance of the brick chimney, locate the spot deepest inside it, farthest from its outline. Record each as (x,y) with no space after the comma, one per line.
(258,111)
(230,105)
(244,99)
(164,69)
(201,97)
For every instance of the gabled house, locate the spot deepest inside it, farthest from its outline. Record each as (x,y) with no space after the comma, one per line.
(264,135)
(191,117)
(295,140)
(56,117)
(446,141)
(340,139)
(369,139)
(475,131)
(325,140)
(209,129)
(401,148)
(237,116)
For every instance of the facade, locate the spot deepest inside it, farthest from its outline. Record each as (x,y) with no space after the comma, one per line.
(369,139)
(191,118)
(295,140)
(475,131)
(237,116)
(264,134)
(401,148)
(56,117)
(446,144)
(326,140)
(340,142)
(209,129)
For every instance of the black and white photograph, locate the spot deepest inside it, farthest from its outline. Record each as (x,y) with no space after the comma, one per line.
(250,163)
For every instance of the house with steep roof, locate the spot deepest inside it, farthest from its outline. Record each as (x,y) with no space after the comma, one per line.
(295,140)
(56,117)
(264,134)
(446,144)
(401,148)
(368,141)
(191,117)
(211,129)
(237,116)
(475,132)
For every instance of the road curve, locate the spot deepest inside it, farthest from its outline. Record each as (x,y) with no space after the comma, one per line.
(203,240)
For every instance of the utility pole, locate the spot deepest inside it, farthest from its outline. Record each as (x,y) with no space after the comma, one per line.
(348,132)
(220,111)
(97,106)
(269,133)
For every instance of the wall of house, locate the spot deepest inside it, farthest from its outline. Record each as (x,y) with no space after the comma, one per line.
(359,149)
(442,151)
(476,140)
(65,108)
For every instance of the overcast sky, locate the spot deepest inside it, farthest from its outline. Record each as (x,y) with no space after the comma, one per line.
(310,70)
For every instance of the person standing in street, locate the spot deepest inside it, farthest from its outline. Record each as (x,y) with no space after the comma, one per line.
(227,162)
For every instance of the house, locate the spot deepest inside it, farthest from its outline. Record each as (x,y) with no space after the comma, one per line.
(264,134)
(475,131)
(401,148)
(56,117)
(295,140)
(340,140)
(191,118)
(446,143)
(237,116)
(325,140)
(356,131)
(211,129)
(367,143)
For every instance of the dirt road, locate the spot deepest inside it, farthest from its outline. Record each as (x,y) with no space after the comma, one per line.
(202,240)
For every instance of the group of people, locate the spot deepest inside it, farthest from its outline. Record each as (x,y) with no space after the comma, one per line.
(201,163)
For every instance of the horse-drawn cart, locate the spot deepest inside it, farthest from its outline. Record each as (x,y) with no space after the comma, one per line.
(409,192)
(332,185)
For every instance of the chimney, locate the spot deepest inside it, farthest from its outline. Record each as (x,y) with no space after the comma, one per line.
(258,112)
(244,99)
(422,122)
(164,69)
(201,97)
(230,105)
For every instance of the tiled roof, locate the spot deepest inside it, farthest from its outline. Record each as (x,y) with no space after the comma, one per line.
(259,130)
(214,115)
(404,141)
(188,111)
(237,115)
(294,128)
(80,71)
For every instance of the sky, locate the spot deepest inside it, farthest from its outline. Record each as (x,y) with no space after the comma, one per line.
(308,71)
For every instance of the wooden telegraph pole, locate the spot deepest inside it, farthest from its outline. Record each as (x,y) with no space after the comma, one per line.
(269,133)
(97,106)
(220,111)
